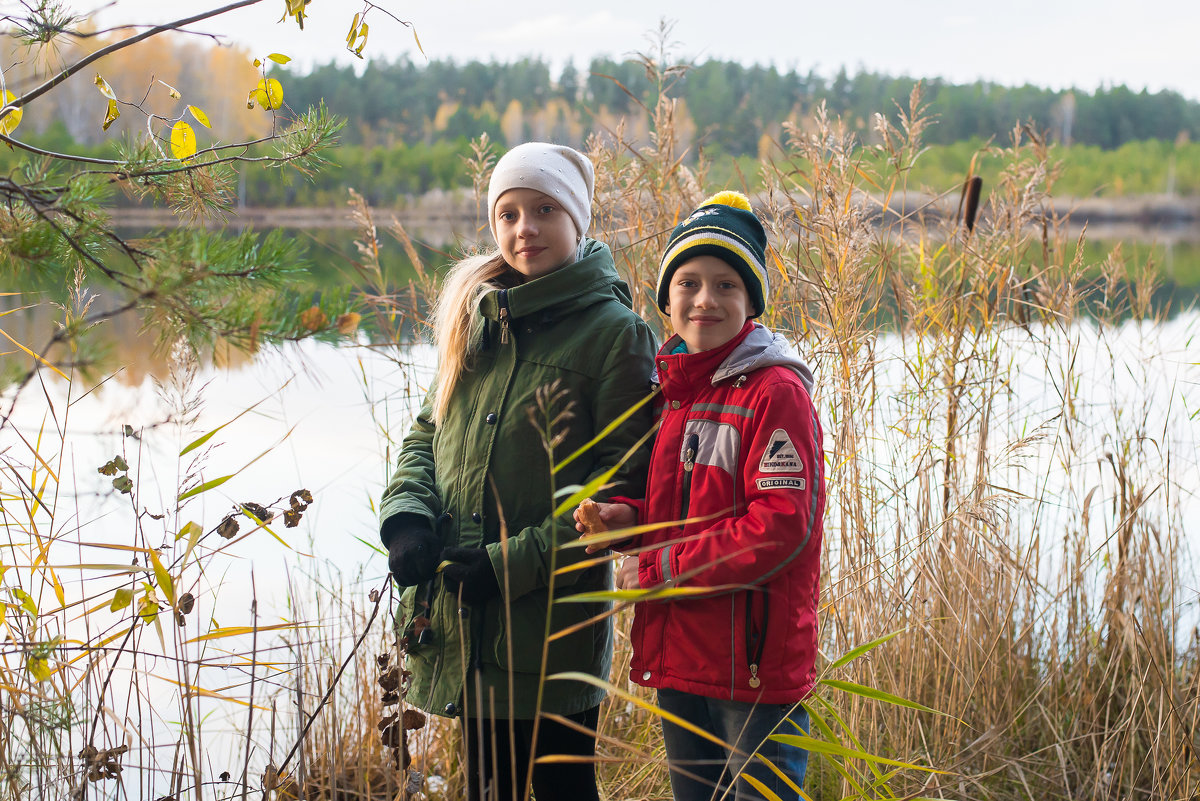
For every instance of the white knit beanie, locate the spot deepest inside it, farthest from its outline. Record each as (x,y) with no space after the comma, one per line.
(561,172)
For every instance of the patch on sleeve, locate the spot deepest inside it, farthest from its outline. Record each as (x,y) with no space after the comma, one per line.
(780,483)
(780,455)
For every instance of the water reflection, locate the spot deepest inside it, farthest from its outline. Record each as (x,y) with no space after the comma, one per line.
(1170,256)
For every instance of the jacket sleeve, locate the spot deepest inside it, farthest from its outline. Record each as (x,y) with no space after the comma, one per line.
(413,486)
(784,492)
(622,383)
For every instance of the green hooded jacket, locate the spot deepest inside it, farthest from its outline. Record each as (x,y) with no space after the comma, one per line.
(482,478)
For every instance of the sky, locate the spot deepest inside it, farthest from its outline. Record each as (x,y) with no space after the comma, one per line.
(1052,43)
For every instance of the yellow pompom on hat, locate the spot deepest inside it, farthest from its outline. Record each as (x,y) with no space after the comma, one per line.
(724,226)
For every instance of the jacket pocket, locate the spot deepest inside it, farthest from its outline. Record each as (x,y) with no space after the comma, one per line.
(708,464)
(518,646)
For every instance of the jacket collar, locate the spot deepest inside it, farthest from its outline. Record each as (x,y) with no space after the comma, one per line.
(593,277)
(684,373)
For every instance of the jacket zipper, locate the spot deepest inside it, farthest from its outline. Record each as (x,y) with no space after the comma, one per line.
(690,446)
(755,641)
(503,300)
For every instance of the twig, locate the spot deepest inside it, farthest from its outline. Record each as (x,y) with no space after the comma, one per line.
(333,684)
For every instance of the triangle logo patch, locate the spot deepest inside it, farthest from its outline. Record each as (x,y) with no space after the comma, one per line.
(781,455)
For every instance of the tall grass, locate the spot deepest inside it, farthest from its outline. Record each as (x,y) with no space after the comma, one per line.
(1009,477)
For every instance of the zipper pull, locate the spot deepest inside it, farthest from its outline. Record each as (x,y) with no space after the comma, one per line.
(503,316)
(689,456)
(741,379)
(754,682)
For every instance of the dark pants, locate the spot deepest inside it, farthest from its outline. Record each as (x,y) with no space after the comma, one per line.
(702,770)
(494,746)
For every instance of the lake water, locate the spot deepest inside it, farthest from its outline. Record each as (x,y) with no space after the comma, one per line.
(319,417)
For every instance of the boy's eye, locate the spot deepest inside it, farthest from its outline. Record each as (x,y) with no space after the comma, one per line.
(507,216)
(727,285)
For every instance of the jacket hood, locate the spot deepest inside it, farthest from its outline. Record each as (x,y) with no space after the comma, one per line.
(763,348)
(590,279)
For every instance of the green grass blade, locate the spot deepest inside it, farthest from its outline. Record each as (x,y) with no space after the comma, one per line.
(878,695)
(851,655)
(608,429)
(205,487)
(815,746)
(599,481)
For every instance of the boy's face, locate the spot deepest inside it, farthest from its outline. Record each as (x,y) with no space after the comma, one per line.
(708,302)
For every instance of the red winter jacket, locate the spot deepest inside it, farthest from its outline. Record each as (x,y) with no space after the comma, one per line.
(740,446)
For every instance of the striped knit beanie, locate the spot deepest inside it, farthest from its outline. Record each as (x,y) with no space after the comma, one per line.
(723,226)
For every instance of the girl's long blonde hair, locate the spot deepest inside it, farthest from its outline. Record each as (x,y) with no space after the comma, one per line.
(456,325)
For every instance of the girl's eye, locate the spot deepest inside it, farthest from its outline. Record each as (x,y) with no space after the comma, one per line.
(546,209)
(507,216)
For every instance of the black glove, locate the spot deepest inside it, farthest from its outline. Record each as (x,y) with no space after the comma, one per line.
(472,569)
(413,549)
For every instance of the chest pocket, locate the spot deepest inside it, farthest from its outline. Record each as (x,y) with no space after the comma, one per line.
(719,444)
(709,460)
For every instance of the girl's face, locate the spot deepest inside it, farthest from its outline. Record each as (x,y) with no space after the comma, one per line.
(535,234)
(708,302)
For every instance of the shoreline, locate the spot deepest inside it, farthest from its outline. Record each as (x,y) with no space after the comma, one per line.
(445,216)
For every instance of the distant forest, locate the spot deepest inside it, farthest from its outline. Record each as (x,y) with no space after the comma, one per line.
(729,106)
(409,125)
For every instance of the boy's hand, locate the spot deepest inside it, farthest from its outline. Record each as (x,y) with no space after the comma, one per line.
(627,574)
(594,518)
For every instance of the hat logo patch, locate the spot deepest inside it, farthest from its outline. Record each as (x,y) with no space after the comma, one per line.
(780,455)
(700,213)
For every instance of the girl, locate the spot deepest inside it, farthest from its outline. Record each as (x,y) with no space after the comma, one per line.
(541,329)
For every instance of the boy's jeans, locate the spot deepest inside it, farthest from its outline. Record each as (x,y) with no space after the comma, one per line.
(702,770)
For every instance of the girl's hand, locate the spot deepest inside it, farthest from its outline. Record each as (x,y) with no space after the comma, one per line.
(594,518)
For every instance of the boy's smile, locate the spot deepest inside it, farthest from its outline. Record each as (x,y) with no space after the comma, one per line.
(707,302)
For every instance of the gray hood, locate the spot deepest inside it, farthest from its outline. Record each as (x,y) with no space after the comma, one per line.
(762,348)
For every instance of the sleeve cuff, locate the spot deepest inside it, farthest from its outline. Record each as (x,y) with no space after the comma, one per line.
(654,568)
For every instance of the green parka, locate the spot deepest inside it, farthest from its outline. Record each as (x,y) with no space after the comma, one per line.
(483,474)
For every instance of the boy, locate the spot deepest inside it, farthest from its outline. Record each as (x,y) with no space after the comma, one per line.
(738,453)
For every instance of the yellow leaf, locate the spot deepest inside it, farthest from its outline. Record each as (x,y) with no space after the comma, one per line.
(163,577)
(104,88)
(111,115)
(190,529)
(200,116)
(148,608)
(58,589)
(269,94)
(12,119)
(362,33)
(172,90)
(350,37)
(39,668)
(121,599)
(257,63)
(26,601)
(240,631)
(183,141)
(279,58)
(193,531)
